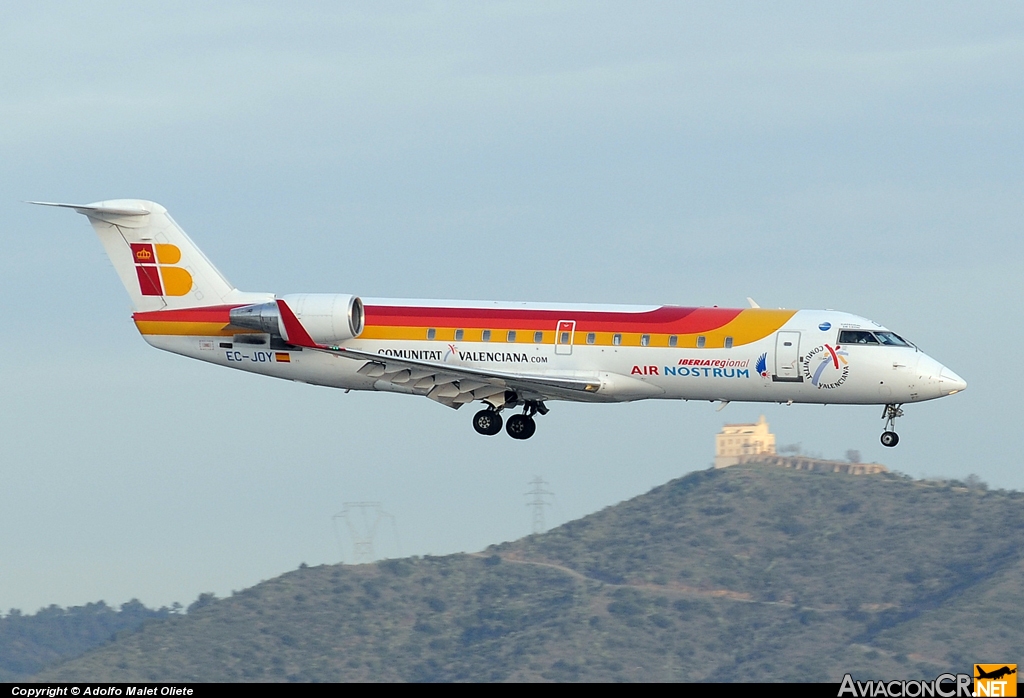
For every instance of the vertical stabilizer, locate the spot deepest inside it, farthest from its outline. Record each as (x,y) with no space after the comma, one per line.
(159,265)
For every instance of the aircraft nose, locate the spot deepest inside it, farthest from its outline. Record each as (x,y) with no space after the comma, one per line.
(950,383)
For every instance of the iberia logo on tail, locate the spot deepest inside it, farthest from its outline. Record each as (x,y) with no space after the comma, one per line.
(154,263)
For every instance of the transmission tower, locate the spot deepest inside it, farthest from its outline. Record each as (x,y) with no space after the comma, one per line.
(537,503)
(362,519)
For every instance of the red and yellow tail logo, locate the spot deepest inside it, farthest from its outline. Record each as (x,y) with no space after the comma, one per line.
(158,276)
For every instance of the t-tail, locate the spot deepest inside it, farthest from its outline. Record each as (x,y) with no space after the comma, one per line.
(159,265)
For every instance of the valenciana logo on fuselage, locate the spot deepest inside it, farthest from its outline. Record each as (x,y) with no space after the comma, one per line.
(826,367)
(453,352)
(507,357)
(420,354)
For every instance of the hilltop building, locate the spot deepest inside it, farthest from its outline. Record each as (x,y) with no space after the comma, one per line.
(754,443)
(738,440)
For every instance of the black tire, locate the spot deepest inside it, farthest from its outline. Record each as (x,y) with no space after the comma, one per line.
(487,422)
(519,426)
(890,439)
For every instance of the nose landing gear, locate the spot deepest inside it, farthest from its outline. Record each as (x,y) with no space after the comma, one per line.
(889,437)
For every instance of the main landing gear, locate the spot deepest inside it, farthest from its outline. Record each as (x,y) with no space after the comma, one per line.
(519,426)
(487,422)
(889,437)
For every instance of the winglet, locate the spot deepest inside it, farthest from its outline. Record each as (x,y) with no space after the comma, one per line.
(753,303)
(296,333)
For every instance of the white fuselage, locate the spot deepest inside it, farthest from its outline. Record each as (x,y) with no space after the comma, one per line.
(798,364)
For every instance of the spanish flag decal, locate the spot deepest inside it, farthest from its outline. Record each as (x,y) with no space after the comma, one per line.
(282,358)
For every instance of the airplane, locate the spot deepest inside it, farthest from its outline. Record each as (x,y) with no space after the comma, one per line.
(994,674)
(507,356)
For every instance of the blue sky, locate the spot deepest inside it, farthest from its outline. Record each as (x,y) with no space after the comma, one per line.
(866,157)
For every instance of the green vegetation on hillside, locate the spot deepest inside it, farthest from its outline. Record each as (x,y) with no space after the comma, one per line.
(747,573)
(30,642)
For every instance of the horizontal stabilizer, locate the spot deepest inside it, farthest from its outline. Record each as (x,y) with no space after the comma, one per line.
(95,211)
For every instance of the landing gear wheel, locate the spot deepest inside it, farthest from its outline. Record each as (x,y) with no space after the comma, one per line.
(890,439)
(519,426)
(487,422)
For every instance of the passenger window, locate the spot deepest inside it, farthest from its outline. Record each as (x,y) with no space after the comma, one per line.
(459,334)
(591,338)
(486,336)
(564,339)
(538,337)
(856,337)
(511,336)
(645,340)
(431,333)
(616,339)
(673,341)
(701,341)
(728,342)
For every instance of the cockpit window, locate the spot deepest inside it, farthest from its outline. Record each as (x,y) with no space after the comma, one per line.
(856,337)
(892,339)
(889,339)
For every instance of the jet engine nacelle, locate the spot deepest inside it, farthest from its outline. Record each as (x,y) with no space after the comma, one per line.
(328,318)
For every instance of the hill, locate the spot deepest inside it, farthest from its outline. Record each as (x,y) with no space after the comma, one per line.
(30,642)
(747,573)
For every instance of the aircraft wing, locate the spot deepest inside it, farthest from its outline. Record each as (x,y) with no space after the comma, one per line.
(457,385)
(450,385)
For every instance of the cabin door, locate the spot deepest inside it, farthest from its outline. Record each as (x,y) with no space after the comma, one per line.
(787,356)
(564,336)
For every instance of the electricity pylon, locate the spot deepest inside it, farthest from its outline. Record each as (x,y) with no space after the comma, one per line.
(538,503)
(362,519)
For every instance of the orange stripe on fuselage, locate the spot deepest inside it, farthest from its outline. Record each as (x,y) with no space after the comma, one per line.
(211,321)
(405,323)
(745,326)
(666,319)
(188,329)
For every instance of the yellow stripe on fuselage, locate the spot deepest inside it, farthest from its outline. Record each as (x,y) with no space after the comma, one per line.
(190,329)
(749,326)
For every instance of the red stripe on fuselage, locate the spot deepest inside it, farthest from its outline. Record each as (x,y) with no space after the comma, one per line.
(213,313)
(665,319)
